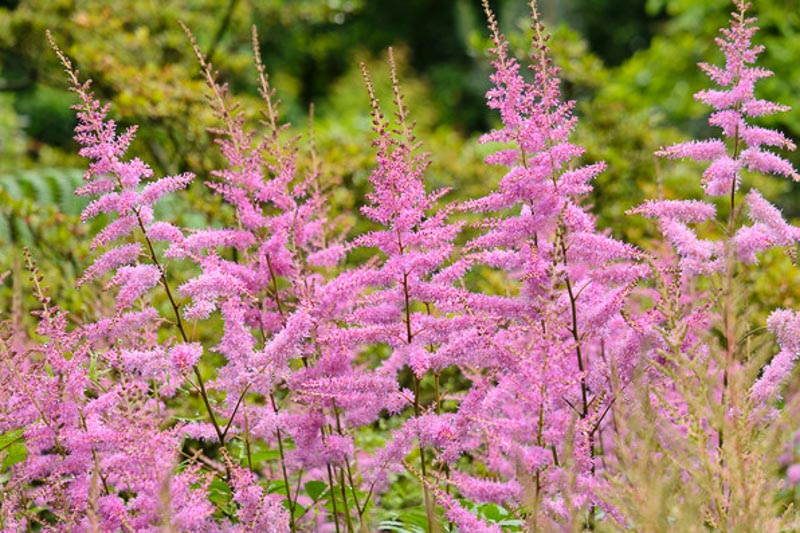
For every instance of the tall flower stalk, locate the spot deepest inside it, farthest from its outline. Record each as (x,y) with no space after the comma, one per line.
(712,402)
(549,365)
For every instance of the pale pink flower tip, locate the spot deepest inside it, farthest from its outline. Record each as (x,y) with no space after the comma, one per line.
(786,326)
(793,474)
(184,356)
(733,104)
(679,210)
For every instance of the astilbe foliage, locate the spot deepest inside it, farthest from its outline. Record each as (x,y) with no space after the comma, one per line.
(606,386)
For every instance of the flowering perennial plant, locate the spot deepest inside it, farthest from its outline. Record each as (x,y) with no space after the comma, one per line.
(609,386)
(712,396)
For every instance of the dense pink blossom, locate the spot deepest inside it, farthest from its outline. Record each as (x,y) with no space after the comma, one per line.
(297,354)
(686,211)
(682,350)
(101,452)
(786,326)
(733,103)
(185,356)
(542,348)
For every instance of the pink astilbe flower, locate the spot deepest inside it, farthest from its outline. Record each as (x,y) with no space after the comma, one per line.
(134,282)
(516,400)
(400,302)
(102,450)
(462,518)
(258,511)
(112,260)
(686,211)
(275,301)
(90,439)
(769,230)
(550,349)
(786,326)
(734,103)
(184,356)
(118,185)
(696,326)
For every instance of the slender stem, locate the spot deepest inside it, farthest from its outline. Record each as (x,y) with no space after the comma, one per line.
(347,518)
(275,287)
(729,311)
(353,490)
(438,405)
(235,409)
(428,503)
(438,399)
(417,409)
(278,433)
(204,395)
(576,337)
(333,497)
(584,388)
(347,465)
(297,486)
(539,437)
(247,442)
(181,328)
(407,310)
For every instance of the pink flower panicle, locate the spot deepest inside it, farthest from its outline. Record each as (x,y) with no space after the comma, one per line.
(686,211)
(83,429)
(683,315)
(119,188)
(541,346)
(315,351)
(786,326)
(734,103)
(400,302)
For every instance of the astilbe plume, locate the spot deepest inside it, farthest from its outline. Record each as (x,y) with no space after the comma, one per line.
(402,303)
(268,275)
(283,292)
(295,329)
(552,356)
(710,405)
(99,456)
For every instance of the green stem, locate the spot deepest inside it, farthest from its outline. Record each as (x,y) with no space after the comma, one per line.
(333,498)
(278,433)
(181,329)
(348,519)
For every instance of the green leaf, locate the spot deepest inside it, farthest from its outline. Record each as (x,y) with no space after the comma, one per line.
(219,493)
(8,438)
(399,527)
(15,453)
(492,512)
(315,489)
(258,456)
(277,485)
